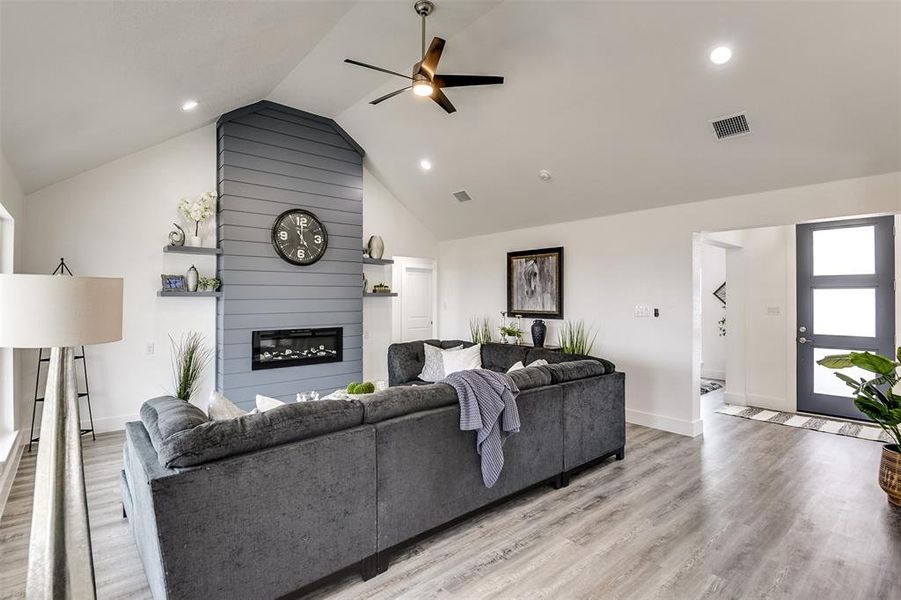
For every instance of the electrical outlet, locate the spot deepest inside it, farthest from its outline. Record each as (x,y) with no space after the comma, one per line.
(642,310)
(150,349)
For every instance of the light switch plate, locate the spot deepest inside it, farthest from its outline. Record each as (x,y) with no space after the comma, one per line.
(643,310)
(773,310)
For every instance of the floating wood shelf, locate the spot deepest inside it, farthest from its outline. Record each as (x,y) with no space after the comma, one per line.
(192,250)
(377,261)
(373,294)
(177,294)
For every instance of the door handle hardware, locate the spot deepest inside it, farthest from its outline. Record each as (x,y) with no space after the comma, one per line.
(802,340)
(802,329)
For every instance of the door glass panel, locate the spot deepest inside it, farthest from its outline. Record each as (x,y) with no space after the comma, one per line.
(825,381)
(844,251)
(844,312)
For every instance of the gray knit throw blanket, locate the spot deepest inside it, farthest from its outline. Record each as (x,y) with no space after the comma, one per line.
(487,405)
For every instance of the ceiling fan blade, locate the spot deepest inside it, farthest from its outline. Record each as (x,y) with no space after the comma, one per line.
(391,95)
(445,81)
(374,68)
(439,97)
(430,60)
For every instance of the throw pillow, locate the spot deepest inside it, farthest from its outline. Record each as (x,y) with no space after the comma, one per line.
(265,403)
(433,369)
(518,365)
(464,359)
(220,408)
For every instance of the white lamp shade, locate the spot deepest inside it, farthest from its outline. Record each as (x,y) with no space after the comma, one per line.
(51,311)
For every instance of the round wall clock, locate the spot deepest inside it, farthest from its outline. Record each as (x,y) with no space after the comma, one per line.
(299,237)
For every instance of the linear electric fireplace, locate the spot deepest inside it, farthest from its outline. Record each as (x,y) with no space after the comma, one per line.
(294,347)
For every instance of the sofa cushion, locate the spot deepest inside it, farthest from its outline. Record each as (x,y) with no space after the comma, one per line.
(555,356)
(433,362)
(463,359)
(576,369)
(530,377)
(185,446)
(165,416)
(404,399)
(500,357)
(405,360)
(219,407)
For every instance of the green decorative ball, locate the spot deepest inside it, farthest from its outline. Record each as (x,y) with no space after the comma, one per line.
(365,388)
(352,387)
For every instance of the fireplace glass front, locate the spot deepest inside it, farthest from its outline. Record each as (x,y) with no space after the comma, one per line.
(293,347)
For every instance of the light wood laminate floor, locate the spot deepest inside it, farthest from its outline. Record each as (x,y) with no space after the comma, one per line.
(749,510)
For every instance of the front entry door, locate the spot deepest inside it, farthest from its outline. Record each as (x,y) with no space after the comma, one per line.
(846,302)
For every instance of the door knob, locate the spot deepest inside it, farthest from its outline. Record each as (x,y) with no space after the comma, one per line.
(802,340)
(802,329)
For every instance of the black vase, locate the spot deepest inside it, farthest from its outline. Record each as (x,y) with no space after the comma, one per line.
(539,330)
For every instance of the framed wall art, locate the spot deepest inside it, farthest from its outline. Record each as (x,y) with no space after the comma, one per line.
(535,283)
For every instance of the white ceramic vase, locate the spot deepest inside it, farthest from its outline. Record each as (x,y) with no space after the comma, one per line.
(191,279)
(195,241)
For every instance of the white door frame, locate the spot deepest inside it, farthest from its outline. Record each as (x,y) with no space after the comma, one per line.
(397,283)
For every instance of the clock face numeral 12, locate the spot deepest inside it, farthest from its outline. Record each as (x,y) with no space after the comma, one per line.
(299,237)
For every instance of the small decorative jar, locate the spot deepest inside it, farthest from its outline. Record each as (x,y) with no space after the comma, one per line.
(192,279)
(539,331)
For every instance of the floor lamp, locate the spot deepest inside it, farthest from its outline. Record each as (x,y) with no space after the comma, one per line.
(49,311)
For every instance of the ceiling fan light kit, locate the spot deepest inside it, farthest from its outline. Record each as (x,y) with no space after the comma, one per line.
(425,81)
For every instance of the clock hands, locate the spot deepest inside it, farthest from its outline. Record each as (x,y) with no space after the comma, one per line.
(301,236)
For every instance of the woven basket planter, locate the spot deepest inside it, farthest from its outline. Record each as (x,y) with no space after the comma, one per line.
(890,473)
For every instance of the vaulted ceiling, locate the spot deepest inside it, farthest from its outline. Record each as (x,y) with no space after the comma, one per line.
(614,99)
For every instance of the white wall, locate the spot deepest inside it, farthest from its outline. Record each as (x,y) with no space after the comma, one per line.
(113,221)
(404,235)
(767,261)
(616,262)
(713,345)
(11,215)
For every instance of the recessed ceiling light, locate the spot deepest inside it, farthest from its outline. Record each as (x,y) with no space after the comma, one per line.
(721,55)
(189,105)
(425,164)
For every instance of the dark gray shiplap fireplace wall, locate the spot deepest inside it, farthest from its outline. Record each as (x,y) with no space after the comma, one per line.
(273,158)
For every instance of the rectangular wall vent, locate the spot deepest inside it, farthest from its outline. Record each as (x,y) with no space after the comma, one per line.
(462,196)
(731,126)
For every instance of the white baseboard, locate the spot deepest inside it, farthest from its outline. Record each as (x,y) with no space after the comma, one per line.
(8,470)
(735,398)
(101,425)
(682,427)
(713,374)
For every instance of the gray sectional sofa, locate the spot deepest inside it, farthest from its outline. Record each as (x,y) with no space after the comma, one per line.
(270,504)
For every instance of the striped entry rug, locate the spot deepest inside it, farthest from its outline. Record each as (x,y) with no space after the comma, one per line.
(834,426)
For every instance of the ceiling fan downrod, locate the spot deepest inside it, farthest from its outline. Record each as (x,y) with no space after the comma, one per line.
(423,8)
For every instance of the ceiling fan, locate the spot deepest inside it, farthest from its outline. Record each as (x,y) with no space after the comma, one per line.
(425,80)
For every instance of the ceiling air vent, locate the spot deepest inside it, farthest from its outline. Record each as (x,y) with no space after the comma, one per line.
(731,126)
(462,196)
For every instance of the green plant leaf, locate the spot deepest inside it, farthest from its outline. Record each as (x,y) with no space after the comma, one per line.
(836,361)
(872,409)
(872,363)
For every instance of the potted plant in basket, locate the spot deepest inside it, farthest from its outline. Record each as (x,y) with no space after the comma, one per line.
(877,399)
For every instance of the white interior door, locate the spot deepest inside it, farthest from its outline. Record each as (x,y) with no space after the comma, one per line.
(417,299)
